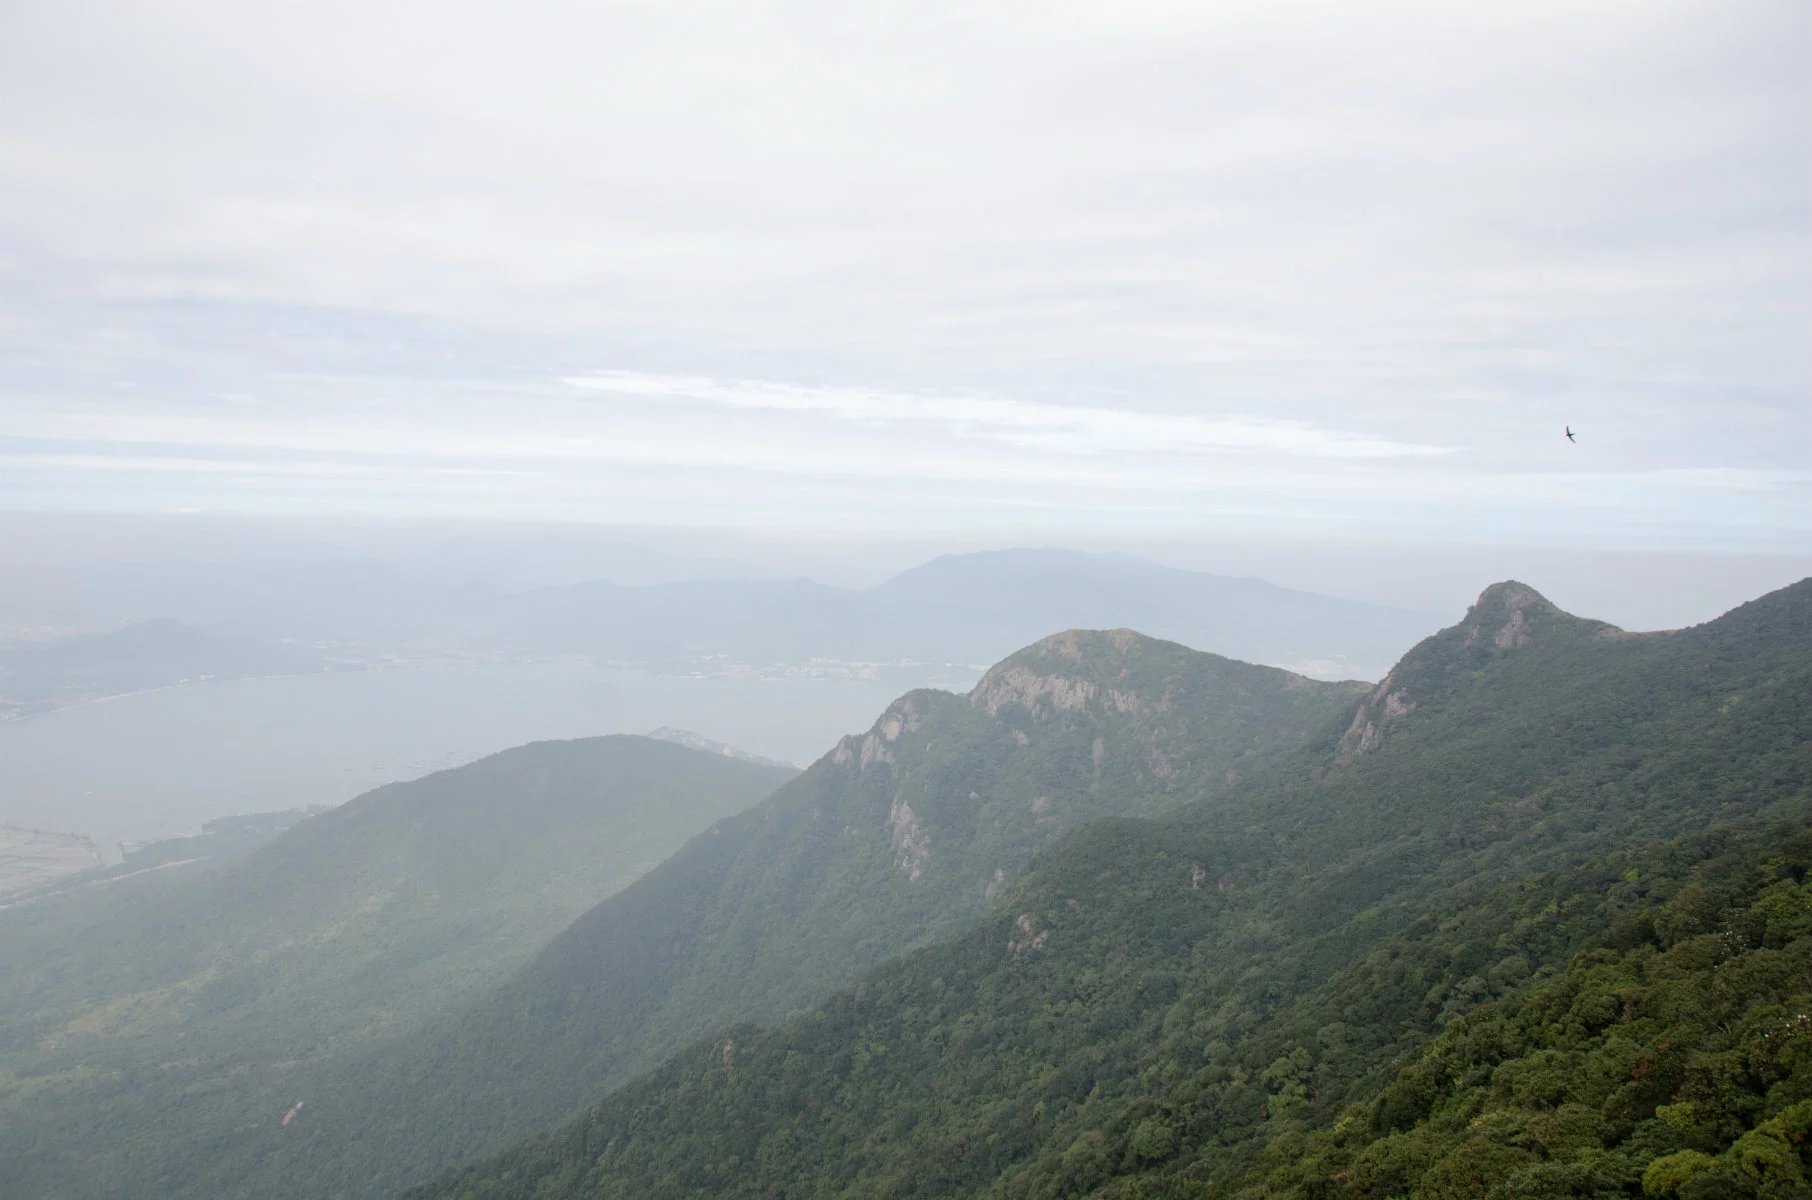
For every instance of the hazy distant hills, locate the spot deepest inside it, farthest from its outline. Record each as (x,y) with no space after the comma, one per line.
(144,654)
(995,601)
(952,616)
(210,986)
(1162,1007)
(968,608)
(896,836)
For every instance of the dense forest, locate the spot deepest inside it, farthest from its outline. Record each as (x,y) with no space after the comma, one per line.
(1674,1056)
(1159,1006)
(1673,1040)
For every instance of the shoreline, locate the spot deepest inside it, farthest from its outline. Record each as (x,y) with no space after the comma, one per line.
(91,701)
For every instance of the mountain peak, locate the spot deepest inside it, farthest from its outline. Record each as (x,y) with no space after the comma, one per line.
(1043,678)
(1511,615)
(1076,669)
(1076,643)
(1508,617)
(1117,670)
(1509,596)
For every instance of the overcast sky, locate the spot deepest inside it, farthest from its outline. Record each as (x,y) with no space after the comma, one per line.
(1037,271)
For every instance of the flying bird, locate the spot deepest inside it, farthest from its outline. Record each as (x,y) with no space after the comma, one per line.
(1570,436)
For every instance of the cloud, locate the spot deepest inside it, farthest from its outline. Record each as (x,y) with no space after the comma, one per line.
(1071,428)
(1126,262)
(242,468)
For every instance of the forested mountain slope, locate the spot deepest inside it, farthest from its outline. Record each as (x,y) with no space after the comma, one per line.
(1673,1058)
(148,1016)
(1156,1001)
(895,837)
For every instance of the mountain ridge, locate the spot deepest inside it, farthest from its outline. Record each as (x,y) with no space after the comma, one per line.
(897,834)
(1045,1051)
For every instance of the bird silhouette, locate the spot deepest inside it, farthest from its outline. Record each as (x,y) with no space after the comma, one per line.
(1570,436)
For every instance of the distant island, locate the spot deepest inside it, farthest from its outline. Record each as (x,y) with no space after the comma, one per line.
(40,677)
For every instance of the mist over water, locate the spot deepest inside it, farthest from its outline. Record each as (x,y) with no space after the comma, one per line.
(160,763)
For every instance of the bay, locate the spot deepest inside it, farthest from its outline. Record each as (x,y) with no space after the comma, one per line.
(156,764)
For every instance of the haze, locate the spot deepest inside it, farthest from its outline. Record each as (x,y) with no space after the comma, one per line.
(714,601)
(317,321)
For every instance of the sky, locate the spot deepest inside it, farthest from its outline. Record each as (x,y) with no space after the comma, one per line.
(1074,272)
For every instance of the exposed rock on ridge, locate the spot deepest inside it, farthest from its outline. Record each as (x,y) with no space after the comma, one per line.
(905,715)
(1042,694)
(1074,671)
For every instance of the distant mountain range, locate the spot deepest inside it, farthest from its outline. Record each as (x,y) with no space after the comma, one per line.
(949,617)
(962,609)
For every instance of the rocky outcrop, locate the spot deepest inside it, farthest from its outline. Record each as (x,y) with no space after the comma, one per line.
(1502,616)
(1026,937)
(874,750)
(907,715)
(1386,705)
(1074,671)
(911,843)
(1042,694)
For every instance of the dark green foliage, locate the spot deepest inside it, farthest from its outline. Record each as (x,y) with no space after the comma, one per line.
(1240,983)
(943,1075)
(1679,1066)
(145,1017)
